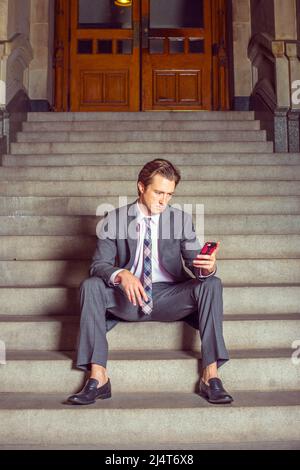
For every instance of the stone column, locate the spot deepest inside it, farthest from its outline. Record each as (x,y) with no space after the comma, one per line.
(40,69)
(242,65)
(285,19)
(287,118)
(283,96)
(292,52)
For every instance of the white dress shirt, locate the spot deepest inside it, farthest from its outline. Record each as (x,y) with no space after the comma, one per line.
(159,273)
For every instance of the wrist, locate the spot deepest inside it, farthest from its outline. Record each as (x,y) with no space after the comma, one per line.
(206,272)
(119,276)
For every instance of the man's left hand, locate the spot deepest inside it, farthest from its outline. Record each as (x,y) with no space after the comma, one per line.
(207,263)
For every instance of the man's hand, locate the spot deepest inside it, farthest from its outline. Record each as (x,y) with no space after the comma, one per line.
(207,263)
(132,287)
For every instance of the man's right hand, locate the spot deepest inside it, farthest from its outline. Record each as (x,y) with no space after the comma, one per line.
(132,286)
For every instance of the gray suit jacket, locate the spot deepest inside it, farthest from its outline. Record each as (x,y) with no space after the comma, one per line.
(117,241)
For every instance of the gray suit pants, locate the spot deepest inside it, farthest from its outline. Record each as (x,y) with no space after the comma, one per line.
(171,302)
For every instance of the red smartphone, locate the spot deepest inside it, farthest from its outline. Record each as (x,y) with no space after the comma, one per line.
(208,248)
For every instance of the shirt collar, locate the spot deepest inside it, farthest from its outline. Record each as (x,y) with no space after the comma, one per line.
(141,215)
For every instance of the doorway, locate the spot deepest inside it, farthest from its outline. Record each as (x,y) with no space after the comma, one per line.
(146,56)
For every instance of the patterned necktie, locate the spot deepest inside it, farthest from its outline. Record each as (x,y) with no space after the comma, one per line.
(147,273)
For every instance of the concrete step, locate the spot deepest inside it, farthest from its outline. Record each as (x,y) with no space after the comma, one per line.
(92,205)
(233,249)
(175,446)
(79,231)
(125,160)
(115,187)
(153,418)
(70,273)
(149,125)
(238,300)
(39,315)
(158,371)
(37,148)
(143,136)
(60,333)
(119,173)
(141,116)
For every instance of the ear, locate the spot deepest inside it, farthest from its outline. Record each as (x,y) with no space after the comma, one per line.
(141,187)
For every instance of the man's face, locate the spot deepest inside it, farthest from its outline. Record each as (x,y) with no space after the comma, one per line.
(157,194)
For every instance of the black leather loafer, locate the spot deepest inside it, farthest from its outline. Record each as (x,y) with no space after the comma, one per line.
(214,392)
(90,393)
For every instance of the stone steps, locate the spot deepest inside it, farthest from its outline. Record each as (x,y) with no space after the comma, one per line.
(70,273)
(234,248)
(34,419)
(120,173)
(37,148)
(91,205)
(150,125)
(175,446)
(240,299)
(145,116)
(114,188)
(79,232)
(52,372)
(59,174)
(124,160)
(142,136)
(55,333)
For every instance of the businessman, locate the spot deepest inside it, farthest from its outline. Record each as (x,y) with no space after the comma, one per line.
(147,267)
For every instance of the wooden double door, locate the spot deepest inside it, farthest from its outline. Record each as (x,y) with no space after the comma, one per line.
(147,55)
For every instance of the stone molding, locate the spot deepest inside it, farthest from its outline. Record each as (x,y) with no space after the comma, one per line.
(15,56)
(277,61)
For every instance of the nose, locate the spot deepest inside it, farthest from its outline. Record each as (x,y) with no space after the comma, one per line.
(163,200)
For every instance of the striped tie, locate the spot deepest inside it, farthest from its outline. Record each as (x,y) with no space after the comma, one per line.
(147,274)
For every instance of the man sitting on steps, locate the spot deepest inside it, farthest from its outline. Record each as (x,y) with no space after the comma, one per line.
(137,274)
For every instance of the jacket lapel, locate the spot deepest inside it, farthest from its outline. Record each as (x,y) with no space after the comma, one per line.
(132,231)
(164,232)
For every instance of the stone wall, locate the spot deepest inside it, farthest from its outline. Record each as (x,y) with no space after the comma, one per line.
(18,17)
(275,18)
(275,67)
(285,19)
(3,19)
(15,48)
(262,17)
(26,33)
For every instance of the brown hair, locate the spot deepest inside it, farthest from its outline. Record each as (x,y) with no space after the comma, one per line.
(159,166)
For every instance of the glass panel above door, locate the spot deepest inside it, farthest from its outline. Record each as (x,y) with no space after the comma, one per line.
(176,14)
(103,14)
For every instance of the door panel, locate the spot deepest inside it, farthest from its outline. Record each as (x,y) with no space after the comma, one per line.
(105,57)
(152,55)
(176,54)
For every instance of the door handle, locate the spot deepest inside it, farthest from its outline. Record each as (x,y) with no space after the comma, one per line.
(145,32)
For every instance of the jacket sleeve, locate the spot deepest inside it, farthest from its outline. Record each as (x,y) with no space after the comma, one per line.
(190,247)
(104,258)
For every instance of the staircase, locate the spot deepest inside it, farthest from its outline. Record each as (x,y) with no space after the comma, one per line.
(61,168)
